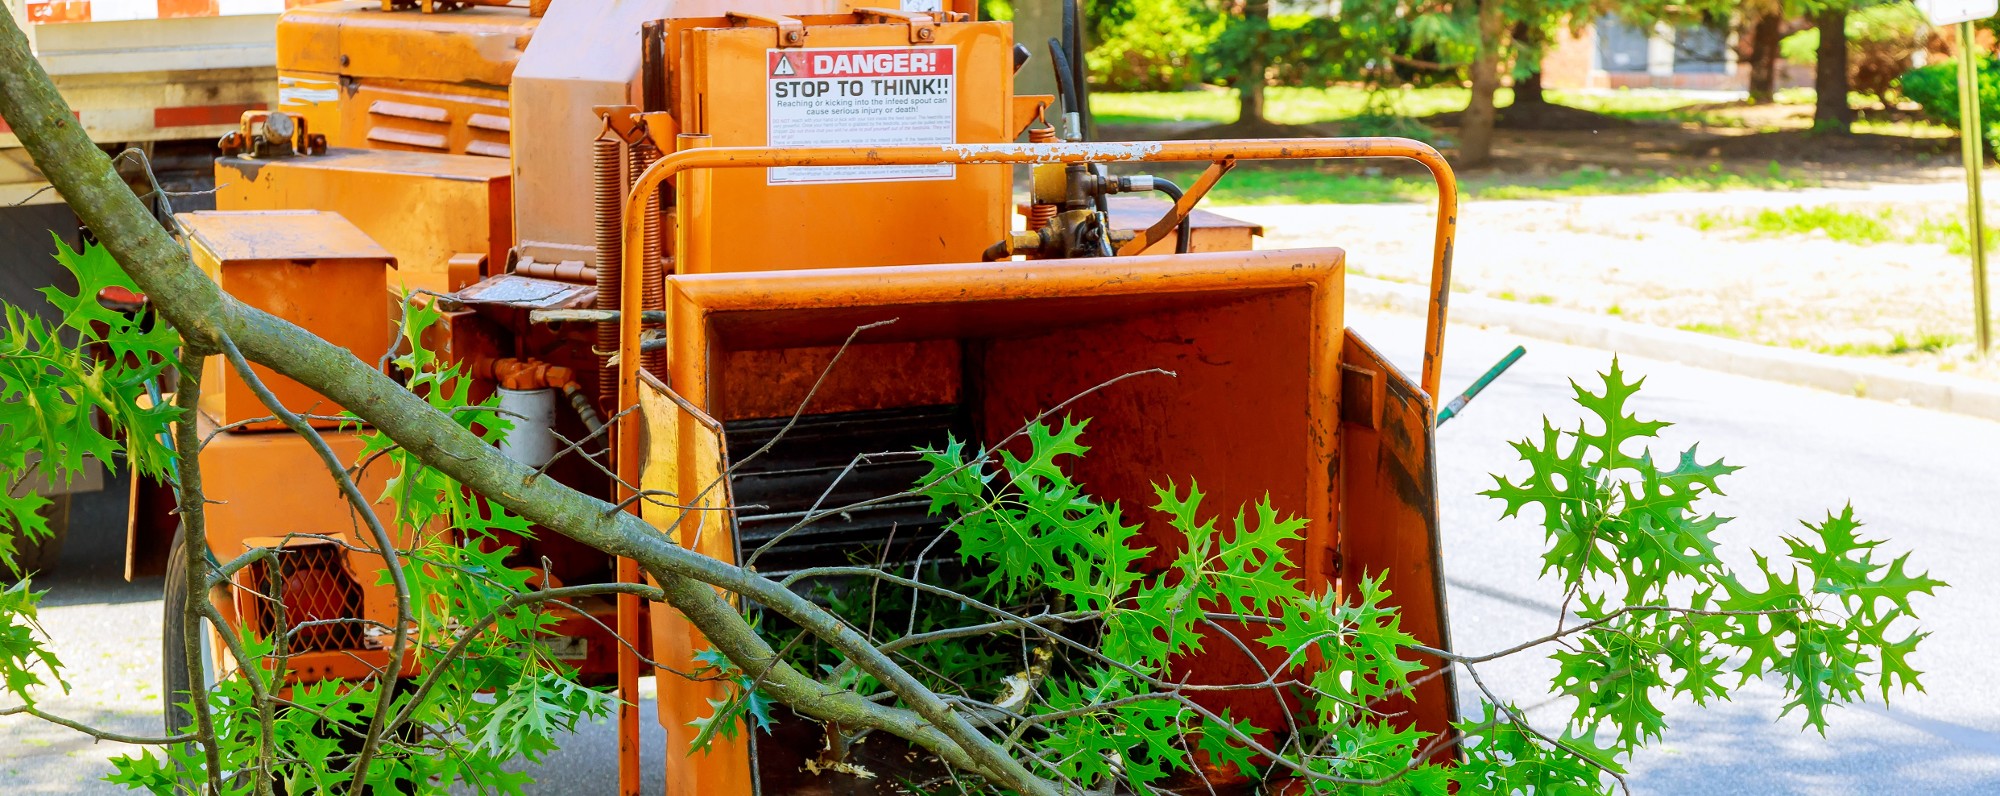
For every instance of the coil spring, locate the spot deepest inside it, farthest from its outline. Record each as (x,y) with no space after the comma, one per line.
(607,188)
(1040,215)
(652,271)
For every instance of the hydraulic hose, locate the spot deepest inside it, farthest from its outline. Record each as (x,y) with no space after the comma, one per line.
(1065,81)
(1183,234)
(1079,71)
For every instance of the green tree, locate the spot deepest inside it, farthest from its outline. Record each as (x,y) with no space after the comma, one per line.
(1831,112)
(1490,39)
(1765,20)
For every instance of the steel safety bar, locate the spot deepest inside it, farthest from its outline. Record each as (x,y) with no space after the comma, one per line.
(691,248)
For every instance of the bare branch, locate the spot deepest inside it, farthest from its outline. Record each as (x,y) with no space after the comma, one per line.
(94,732)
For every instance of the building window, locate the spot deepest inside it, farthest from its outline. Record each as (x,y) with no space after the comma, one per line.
(1701,49)
(1621,46)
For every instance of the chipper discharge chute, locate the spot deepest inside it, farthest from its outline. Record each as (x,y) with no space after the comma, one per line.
(673,216)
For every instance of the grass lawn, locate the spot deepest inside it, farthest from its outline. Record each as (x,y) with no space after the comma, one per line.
(1334,103)
(1848,225)
(1258,184)
(1283,105)
(1314,105)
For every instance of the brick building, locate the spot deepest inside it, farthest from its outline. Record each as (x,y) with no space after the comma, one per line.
(1614,53)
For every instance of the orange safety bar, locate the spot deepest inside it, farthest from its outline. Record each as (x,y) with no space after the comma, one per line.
(691,254)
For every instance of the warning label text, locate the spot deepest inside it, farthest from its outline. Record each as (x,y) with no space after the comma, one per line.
(870,96)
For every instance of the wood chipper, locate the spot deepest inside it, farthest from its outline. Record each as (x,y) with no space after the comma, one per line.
(677,212)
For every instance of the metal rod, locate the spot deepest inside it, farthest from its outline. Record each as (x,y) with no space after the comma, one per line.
(694,260)
(652,317)
(1975,156)
(1452,409)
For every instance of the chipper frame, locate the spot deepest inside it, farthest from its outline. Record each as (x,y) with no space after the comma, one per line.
(675,214)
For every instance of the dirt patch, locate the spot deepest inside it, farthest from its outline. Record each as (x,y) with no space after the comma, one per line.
(1541,116)
(1805,146)
(1259,128)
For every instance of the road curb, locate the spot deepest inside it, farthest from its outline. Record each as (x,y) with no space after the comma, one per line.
(1861,378)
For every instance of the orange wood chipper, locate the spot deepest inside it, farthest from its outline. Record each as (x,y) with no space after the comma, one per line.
(682,208)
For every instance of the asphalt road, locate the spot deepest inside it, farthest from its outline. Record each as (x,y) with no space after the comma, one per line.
(1928,481)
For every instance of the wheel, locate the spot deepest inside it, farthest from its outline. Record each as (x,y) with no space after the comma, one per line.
(40,557)
(175,685)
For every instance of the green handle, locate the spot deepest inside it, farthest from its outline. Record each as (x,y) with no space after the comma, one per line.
(1452,409)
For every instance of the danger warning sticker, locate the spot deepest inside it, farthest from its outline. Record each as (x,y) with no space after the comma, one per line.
(863,96)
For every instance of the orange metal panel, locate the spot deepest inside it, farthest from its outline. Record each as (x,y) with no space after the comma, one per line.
(423,82)
(1389,515)
(354,38)
(727,158)
(423,208)
(812,290)
(756,225)
(311,268)
(684,451)
(270,485)
(1253,338)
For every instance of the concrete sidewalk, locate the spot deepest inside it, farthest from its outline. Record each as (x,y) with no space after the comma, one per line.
(1845,375)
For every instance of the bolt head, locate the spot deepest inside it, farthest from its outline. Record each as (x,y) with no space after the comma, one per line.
(278,127)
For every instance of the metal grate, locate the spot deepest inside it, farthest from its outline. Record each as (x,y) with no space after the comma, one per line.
(805,468)
(311,583)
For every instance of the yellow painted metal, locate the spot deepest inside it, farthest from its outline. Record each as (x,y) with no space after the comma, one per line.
(418,82)
(425,209)
(759,226)
(308,267)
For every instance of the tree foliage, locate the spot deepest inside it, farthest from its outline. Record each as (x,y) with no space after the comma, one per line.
(1664,615)
(53,393)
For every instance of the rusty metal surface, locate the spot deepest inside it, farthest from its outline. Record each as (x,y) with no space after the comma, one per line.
(1389,516)
(1253,336)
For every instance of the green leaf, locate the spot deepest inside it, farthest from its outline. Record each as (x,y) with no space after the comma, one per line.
(1224,750)
(1503,757)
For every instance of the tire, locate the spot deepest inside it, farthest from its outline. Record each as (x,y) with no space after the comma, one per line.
(175,685)
(40,557)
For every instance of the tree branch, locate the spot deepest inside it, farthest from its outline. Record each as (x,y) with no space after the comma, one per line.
(206,317)
(100,734)
(194,549)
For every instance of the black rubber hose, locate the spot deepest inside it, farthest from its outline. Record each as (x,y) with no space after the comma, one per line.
(1183,234)
(1079,71)
(1065,93)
